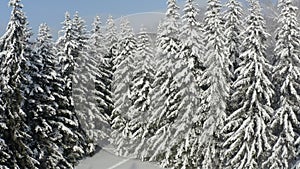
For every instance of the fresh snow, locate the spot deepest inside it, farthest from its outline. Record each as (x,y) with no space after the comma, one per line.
(105,159)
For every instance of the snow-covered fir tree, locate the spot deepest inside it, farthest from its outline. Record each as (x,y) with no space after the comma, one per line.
(106,66)
(41,106)
(74,140)
(285,124)
(143,76)
(83,85)
(99,51)
(122,83)
(111,41)
(164,94)
(186,71)
(98,70)
(246,129)
(97,39)
(233,29)
(14,138)
(214,81)
(28,52)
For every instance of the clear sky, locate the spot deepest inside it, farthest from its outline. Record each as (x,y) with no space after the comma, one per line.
(52,11)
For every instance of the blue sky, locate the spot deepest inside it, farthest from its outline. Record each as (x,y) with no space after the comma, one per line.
(52,11)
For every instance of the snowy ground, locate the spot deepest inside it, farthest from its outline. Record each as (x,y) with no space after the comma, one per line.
(105,159)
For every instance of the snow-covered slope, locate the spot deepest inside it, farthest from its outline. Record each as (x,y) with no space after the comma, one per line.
(105,159)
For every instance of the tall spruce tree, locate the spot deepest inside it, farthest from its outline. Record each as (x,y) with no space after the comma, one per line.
(186,71)
(25,64)
(99,51)
(164,93)
(83,85)
(107,67)
(142,85)
(233,29)
(73,139)
(100,70)
(15,150)
(41,104)
(216,87)
(248,136)
(111,41)
(122,83)
(285,124)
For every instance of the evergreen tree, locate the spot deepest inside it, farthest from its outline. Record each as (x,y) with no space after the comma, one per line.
(73,140)
(233,29)
(15,151)
(110,52)
(215,81)
(187,69)
(286,123)
(247,134)
(141,87)
(111,42)
(100,68)
(41,105)
(164,94)
(83,85)
(122,83)
(25,64)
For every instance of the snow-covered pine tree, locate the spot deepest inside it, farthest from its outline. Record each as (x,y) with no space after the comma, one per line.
(26,79)
(142,150)
(83,85)
(246,129)
(122,83)
(111,41)
(187,69)
(157,40)
(100,70)
(28,52)
(164,94)
(104,86)
(214,81)
(286,122)
(40,104)
(14,139)
(143,76)
(73,139)
(233,29)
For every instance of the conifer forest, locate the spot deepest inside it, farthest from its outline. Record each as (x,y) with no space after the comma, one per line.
(218,91)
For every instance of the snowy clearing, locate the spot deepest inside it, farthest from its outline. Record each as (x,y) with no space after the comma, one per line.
(105,159)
